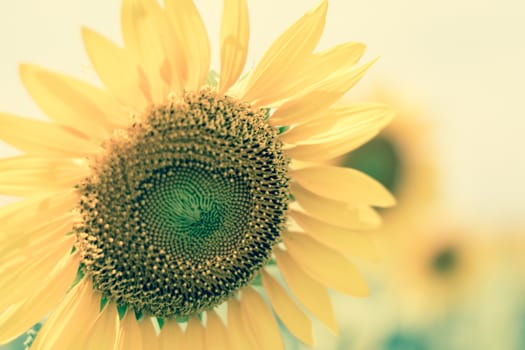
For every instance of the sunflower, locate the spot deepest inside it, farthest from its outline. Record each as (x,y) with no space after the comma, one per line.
(437,269)
(440,276)
(402,158)
(157,209)
(427,267)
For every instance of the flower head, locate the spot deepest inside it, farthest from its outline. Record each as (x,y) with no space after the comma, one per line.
(171,198)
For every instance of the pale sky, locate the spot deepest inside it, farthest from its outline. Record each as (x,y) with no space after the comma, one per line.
(462,60)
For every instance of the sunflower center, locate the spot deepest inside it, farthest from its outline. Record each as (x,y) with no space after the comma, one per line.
(380,159)
(445,261)
(183,208)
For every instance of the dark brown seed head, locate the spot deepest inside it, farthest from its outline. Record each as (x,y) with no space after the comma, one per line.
(183,208)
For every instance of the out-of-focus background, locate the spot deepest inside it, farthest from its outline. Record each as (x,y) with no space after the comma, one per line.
(453,273)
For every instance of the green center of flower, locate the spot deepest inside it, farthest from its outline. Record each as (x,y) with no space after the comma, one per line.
(380,159)
(184,207)
(445,261)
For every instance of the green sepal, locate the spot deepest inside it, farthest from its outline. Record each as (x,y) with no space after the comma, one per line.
(30,336)
(271,262)
(103,302)
(213,78)
(138,315)
(283,128)
(257,281)
(161,322)
(79,275)
(182,319)
(267,113)
(121,309)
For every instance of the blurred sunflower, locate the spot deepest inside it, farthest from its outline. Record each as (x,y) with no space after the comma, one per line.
(402,158)
(429,294)
(155,201)
(426,269)
(435,269)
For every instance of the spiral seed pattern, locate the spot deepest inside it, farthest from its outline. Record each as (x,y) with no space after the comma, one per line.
(184,207)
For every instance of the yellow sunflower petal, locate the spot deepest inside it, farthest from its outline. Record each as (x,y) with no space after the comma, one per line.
(334,212)
(313,105)
(318,97)
(341,139)
(285,57)
(343,184)
(343,122)
(292,316)
(337,58)
(68,101)
(43,297)
(150,38)
(309,292)
(317,68)
(36,240)
(42,138)
(326,265)
(29,250)
(315,124)
(193,38)
(215,337)
(238,335)
(150,340)
(69,323)
(129,335)
(258,317)
(194,335)
(103,334)
(235,31)
(26,271)
(171,336)
(343,240)
(330,150)
(122,79)
(36,210)
(144,27)
(26,175)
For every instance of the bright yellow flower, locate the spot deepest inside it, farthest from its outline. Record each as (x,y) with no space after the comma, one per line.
(171,198)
